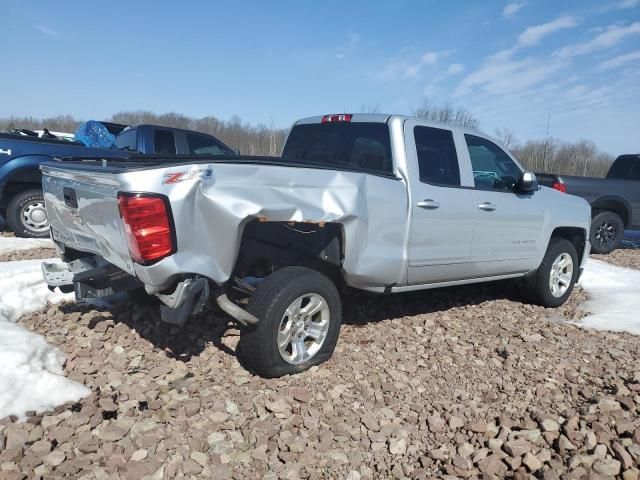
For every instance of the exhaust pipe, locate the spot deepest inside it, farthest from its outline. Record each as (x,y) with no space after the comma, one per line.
(234,311)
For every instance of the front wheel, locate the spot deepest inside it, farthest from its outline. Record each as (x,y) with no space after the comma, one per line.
(299,312)
(27,216)
(552,283)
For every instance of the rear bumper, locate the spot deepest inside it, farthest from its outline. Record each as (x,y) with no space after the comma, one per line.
(94,277)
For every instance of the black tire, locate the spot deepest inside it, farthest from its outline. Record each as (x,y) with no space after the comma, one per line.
(607,232)
(258,350)
(15,210)
(536,285)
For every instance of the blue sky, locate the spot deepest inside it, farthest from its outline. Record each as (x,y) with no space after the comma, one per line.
(511,63)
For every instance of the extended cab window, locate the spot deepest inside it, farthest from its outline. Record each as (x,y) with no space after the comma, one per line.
(164,142)
(634,174)
(203,145)
(437,158)
(492,168)
(127,140)
(358,145)
(626,167)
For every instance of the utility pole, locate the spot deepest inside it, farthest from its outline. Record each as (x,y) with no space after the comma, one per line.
(546,145)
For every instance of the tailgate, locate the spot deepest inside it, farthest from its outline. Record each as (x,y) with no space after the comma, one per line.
(83,212)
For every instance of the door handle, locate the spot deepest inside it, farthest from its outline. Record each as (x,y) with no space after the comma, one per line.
(487,206)
(429,204)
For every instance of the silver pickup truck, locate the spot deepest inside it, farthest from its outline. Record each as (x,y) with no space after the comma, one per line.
(382,203)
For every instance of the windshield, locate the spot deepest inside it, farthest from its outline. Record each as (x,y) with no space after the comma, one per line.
(358,146)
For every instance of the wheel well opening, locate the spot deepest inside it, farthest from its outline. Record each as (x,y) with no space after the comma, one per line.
(575,235)
(11,189)
(268,246)
(612,206)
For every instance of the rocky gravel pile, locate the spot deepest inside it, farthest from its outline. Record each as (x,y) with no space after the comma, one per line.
(32,253)
(457,383)
(24,254)
(623,257)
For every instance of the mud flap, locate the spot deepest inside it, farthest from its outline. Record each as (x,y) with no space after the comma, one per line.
(188,299)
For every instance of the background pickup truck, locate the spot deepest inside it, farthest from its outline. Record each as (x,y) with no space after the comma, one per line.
(21,202)
(374,202)
(614,200)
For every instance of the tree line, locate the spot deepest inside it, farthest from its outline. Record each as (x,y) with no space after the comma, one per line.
(546,155)
(247,138)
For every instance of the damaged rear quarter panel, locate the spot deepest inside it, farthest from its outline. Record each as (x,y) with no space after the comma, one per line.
(210,214)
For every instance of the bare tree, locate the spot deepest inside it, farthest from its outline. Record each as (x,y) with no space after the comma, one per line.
(506,137)
(547,155)
(370,108)
(551,155)
(460,117)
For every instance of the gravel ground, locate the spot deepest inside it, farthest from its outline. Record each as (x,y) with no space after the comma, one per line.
(24,254)
(623,257)
(28,254)
(456,383)
(464,382)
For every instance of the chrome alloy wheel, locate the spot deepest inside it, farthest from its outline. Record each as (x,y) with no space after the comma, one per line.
(34,217)
(605,233)
(303,328)
(561,275)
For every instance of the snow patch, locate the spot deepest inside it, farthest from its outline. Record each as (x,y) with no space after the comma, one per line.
(614,297)
(11,244)
(31,371)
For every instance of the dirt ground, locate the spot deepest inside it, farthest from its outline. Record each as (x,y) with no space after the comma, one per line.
(463,382)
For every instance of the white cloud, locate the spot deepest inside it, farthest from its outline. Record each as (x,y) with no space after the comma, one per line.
(621,60)
(533,35)
(512,8)
(613,35)
(628,3)
(455,68)
(352,42)
(46,31)
(500,74)
(429,58)
(432,57)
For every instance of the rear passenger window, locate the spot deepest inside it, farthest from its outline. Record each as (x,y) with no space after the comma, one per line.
(437,158)
(163,142)
(634,174)
(201,145)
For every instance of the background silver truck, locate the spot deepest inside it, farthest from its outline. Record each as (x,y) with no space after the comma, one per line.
(375,202)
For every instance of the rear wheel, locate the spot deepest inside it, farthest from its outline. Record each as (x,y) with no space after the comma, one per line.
(607,232)
(299,312)
(552,283)
(26,214)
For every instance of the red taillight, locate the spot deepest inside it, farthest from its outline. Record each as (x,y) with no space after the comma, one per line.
(147,225)
(561,187)
(343,117)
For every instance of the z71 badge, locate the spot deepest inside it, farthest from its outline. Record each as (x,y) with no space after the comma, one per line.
(191,174)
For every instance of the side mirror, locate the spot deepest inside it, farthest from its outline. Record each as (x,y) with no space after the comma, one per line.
(528,183)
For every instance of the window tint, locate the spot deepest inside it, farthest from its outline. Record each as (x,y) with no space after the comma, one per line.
(620,168)
(163,142)
(635,170)
(203,145)
(492,168)
(437,159)
(127,140)
(362,146)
